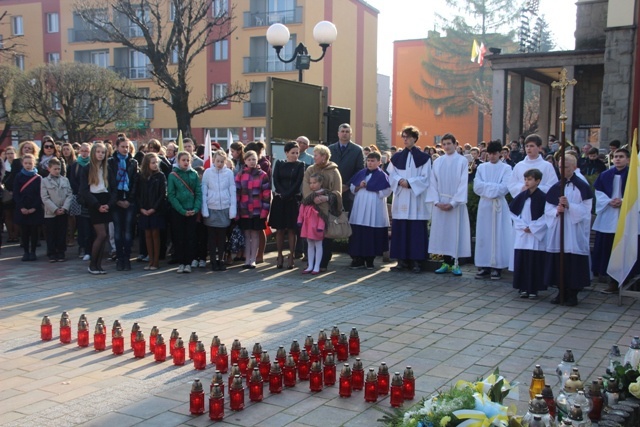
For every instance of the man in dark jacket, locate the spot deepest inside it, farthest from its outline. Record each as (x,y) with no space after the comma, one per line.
(125,168)
(348,156)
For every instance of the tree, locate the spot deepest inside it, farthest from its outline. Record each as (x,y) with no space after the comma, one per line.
(381,140)
(74,101)
(455,84)
(8,76)
(171,34)
(10,45)
(547,40)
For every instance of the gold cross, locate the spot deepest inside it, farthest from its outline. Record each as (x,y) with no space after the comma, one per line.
(562,85)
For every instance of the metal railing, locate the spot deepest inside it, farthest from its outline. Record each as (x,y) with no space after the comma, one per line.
(263,64)
(134,73)
(264,19)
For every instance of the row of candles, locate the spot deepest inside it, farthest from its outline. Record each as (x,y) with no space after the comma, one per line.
(316,363)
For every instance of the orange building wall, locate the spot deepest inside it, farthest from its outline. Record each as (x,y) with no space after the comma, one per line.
(407,74)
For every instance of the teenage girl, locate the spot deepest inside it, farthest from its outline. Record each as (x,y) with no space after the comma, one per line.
(98,192)
(253,192)
(29,213)
(152,196)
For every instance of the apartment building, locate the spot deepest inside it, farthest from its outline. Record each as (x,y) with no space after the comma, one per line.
(51,32)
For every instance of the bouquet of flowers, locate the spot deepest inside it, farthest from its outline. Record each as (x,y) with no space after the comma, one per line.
(467,404)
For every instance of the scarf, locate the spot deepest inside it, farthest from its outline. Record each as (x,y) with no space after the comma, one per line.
(29,173)
(537,203)
(378,181)
(400,159)
(604,182)
(122,177)
(83,161)
(585,190)
(44,161)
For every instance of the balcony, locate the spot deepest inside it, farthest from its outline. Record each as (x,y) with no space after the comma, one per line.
(264,19)
(264,64)
(134,73)
(145,112)
(83,35)
(255,109)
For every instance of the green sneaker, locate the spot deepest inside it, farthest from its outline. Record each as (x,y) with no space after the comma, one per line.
(444,268)
(456,271)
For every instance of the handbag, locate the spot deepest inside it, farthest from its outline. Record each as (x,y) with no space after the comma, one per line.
(75,209)
(7,195)
(338,227)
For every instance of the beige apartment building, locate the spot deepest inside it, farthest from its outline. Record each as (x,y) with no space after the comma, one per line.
(50,31)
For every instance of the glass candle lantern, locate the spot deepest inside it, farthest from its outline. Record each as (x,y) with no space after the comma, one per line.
(315,354)
(289,372)
(408,384)
(117,341)
(328,348)
(564,368)
(222,363)
(537,382)
(218,380)
(243,361)
(65,330)
(383,379)
(116,325)
(235,351)
(357,375)
(83,334)
(632,357)
(308,343)
(236,395)
(235,370)
(216,404)
(99,338)
(83,318)
(214,348)
(253,363)
(196,398)
(100,321)
(397,392)
(538,408)
(315,377)
(153,336)
(199,357)
(160,349)
(342,348)
(354,342)
(46,329)
(275,378)
(345,387)
(193,339)
(371,386)
(577,417)
(329,369)
(265,364)
(281,356)
(597,401)
(256,386)
(304,366)
(172,340)
(547,395)
(322,340)
(294,350)
(134,332)
(614,358)
(612,394)
(334,335)
(582,401)
(139,346)
(179,352)
(257,351)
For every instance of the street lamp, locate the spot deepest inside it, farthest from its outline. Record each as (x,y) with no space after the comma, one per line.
(324,33)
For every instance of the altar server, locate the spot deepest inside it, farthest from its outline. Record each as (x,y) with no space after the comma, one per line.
(533,160)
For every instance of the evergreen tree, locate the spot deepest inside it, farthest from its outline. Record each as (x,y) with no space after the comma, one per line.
(547,41)
(381,140)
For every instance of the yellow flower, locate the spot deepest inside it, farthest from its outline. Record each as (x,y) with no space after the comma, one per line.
(444,421)
(634,388)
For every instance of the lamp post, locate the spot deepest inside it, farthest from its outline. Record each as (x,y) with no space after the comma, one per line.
(324,34)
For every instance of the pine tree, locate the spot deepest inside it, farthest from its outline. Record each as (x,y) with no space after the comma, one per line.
(547,41)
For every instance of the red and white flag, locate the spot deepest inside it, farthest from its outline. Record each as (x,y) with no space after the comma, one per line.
(207,151)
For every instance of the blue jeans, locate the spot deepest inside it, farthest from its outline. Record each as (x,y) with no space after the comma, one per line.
(123,230)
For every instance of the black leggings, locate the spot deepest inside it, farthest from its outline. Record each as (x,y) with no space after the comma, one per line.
(29,237)
(217,240)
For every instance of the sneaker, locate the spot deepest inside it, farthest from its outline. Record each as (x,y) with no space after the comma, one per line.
(482,273)
(456,271)
(444,268)
(93,271)
(187,269)
(194,263)
(356,264)
(202,263)
(140,258)
(524,294)
(495,275)
(180,268)
(86,257)
(533,296)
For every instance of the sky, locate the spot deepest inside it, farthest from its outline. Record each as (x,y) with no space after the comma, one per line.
(411,19)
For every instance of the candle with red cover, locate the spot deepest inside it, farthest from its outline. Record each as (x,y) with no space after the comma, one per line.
(236,395)
(409,383)
(357,375)
(294,350)
(216,404)
(316,354)
(275,378)
(235,351)
(83,334)
(153,335)
(99,338)
(322,339)
(46,329)
(214,348)
(134,332)
(139,346)
(218,380)
(172,340)
(199,357)
(160,349)
(308,343)
(196,398)
(243,361)
(116,325)
(265,364)
(65,331)
(328,348)
(117,341)
(342,348)
(235,370)
(335,335)
(329,369)
(383,379)
(179,352)
(193,339)
(315,377)
(256,386)
(354,342)
(257,351)
(371,386)
(281,356)
(289,372)
(222,364)
(397,392)
(304,366)
(253,363)
(345,381)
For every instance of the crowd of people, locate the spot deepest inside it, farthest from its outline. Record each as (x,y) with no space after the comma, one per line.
(181,207)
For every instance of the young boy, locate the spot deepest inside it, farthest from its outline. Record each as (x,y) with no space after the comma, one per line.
(530,229)
(494,240)
(369,217)
(56,194)
(533,160)
(448,188)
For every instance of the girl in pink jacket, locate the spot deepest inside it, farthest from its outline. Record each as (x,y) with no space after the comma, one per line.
(312,227)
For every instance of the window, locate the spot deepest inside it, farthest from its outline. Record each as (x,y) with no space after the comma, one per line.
(1,42)
(172,12)
(53,58)
(219,7)
(219,90)
(221,50)
(16,26)
(143,108)
(20,62)
(53,23)
(222,135)
(169,134)
(100,58)
(138,65)
(55,101)
(174,55)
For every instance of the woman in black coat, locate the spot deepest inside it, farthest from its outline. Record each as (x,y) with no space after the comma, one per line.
(29,213)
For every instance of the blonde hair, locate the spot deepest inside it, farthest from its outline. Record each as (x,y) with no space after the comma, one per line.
(21,146)
(323,150)
(220,153)
(95,165)
(250,153)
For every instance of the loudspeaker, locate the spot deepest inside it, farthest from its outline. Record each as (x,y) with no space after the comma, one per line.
(335,117)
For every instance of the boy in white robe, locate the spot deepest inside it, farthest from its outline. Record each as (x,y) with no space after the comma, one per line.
(369,217)
(447,192)
(494,240)
(533,160)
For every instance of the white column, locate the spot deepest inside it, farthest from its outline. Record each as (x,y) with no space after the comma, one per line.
(498,103)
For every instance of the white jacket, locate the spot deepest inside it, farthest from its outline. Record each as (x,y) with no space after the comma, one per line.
(55,193)
(219,191)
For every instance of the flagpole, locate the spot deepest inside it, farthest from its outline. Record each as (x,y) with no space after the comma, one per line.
(562,85)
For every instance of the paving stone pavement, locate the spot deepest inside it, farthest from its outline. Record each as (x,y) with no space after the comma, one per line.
(446,328)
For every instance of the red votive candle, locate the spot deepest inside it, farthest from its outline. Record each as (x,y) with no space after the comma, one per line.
(256,386)
(345,381)
(196,398)
(371,387)
(397,392)
(357,375)
(354,342)
(46,329)
(216,404)
(236,395)
(408,383)
(117,342)
(275,379)
(199,357)
(222,363)
(160,350)
(315,377)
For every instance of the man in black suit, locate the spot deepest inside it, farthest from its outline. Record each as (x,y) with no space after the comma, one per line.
(348,156)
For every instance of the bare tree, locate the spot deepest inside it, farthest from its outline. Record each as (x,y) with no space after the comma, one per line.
(8,45)
(75,101)
(8,76)
(171,34)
